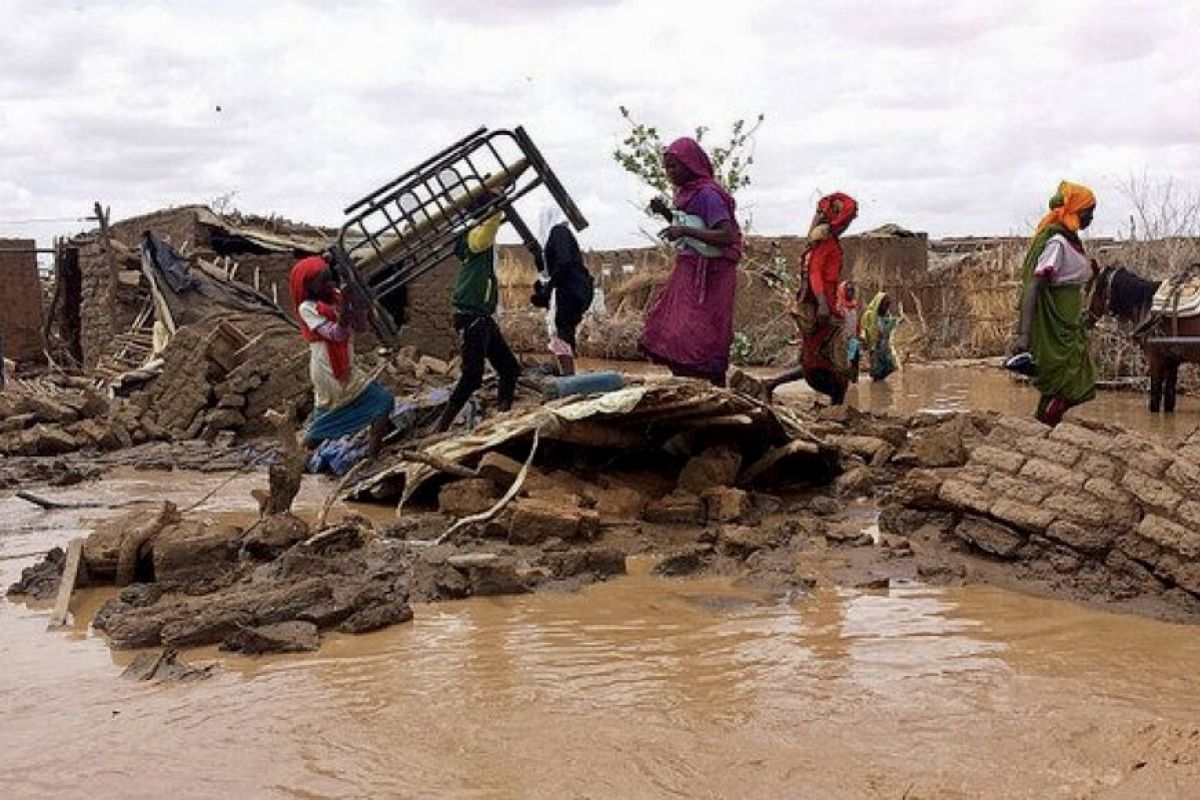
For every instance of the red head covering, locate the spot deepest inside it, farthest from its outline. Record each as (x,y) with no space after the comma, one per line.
(837,209)
(692,155)
(305,271)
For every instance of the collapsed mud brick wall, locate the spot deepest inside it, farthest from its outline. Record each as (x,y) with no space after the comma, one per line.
(196,396)
(107,309)
(1087,504)
(21,319)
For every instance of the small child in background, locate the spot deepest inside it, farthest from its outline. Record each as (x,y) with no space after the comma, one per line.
(878,326)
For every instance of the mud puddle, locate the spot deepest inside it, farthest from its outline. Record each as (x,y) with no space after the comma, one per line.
(641,687)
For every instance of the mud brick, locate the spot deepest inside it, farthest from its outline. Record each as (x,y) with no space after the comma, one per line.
(997,458)
(974,474)
(1093,539)
(1026,516)
(1019,489)
(1051,450)
(1132,570)
(1185,573)
(1081,437)
(1081,508)
(1139,548)
(1096,466)
(1108,491)
(1154,493)
(1144,457)
(964,495)
(1042,471)
(1021,427)
(1185,473)
(1188,513)
(989,536)
(1170,536)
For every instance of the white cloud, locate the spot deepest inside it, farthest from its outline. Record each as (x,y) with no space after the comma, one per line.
(954,118)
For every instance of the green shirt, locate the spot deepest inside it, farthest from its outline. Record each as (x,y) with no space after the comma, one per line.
(475,286)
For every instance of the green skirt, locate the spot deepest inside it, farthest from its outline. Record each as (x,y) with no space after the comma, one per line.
(1059,343)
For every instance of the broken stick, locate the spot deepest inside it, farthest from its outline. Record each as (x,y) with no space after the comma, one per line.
(66,586)
(53,505)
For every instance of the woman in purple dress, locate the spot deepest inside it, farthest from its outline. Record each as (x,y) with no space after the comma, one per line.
(689,327)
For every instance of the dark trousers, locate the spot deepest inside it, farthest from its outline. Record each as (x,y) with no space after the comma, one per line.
(481,341)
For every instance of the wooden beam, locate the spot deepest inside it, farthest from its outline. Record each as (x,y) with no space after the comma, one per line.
(66,586)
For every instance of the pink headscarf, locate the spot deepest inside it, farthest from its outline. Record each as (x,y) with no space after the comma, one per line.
(692,155)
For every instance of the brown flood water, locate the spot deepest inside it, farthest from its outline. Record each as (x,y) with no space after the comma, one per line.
(641,687)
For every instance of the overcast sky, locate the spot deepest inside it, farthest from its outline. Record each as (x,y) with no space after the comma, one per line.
(949,117)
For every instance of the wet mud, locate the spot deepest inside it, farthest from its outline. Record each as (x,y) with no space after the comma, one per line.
(632,641)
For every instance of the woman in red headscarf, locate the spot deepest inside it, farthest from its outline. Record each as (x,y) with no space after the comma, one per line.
(825,357)
(689,327)
(345,400)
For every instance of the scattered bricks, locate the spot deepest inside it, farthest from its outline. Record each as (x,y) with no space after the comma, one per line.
(725,504)
(194,549)
(466,497)
(232,401)
(1081,437)
(740,541)
(1095,466)
(499,469)
(1185,473)
(1170,536)
(1154,493)
(963,495)
(1081,508)
(535,521)
(866,447)
(16,422)
(221,419)
(918,489)
(42,440)
(990,537)
(855,482)
(675,508)
(940,445)
(1027,492)
(716,466)
(1087,539)
(997,458)
(1024,515)
(1046,472)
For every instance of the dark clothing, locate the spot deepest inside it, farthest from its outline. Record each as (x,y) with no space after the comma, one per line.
(475,289)
(570,281)
(481,341)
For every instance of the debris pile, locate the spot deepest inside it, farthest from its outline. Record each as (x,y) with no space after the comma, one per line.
(48,417)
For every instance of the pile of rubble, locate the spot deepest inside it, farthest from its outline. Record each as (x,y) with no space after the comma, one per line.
(1088,510)
(47,418)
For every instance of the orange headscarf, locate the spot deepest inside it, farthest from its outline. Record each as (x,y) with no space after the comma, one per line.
(1065,206)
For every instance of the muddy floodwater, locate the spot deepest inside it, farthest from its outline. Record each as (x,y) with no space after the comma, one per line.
(640,687)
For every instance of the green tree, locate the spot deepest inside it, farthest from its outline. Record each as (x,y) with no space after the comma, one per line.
(640,153)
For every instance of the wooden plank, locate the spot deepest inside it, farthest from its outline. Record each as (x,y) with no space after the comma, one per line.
(66,587)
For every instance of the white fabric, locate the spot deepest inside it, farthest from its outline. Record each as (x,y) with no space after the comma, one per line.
(328,391)
(1063,263)
(548,216)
